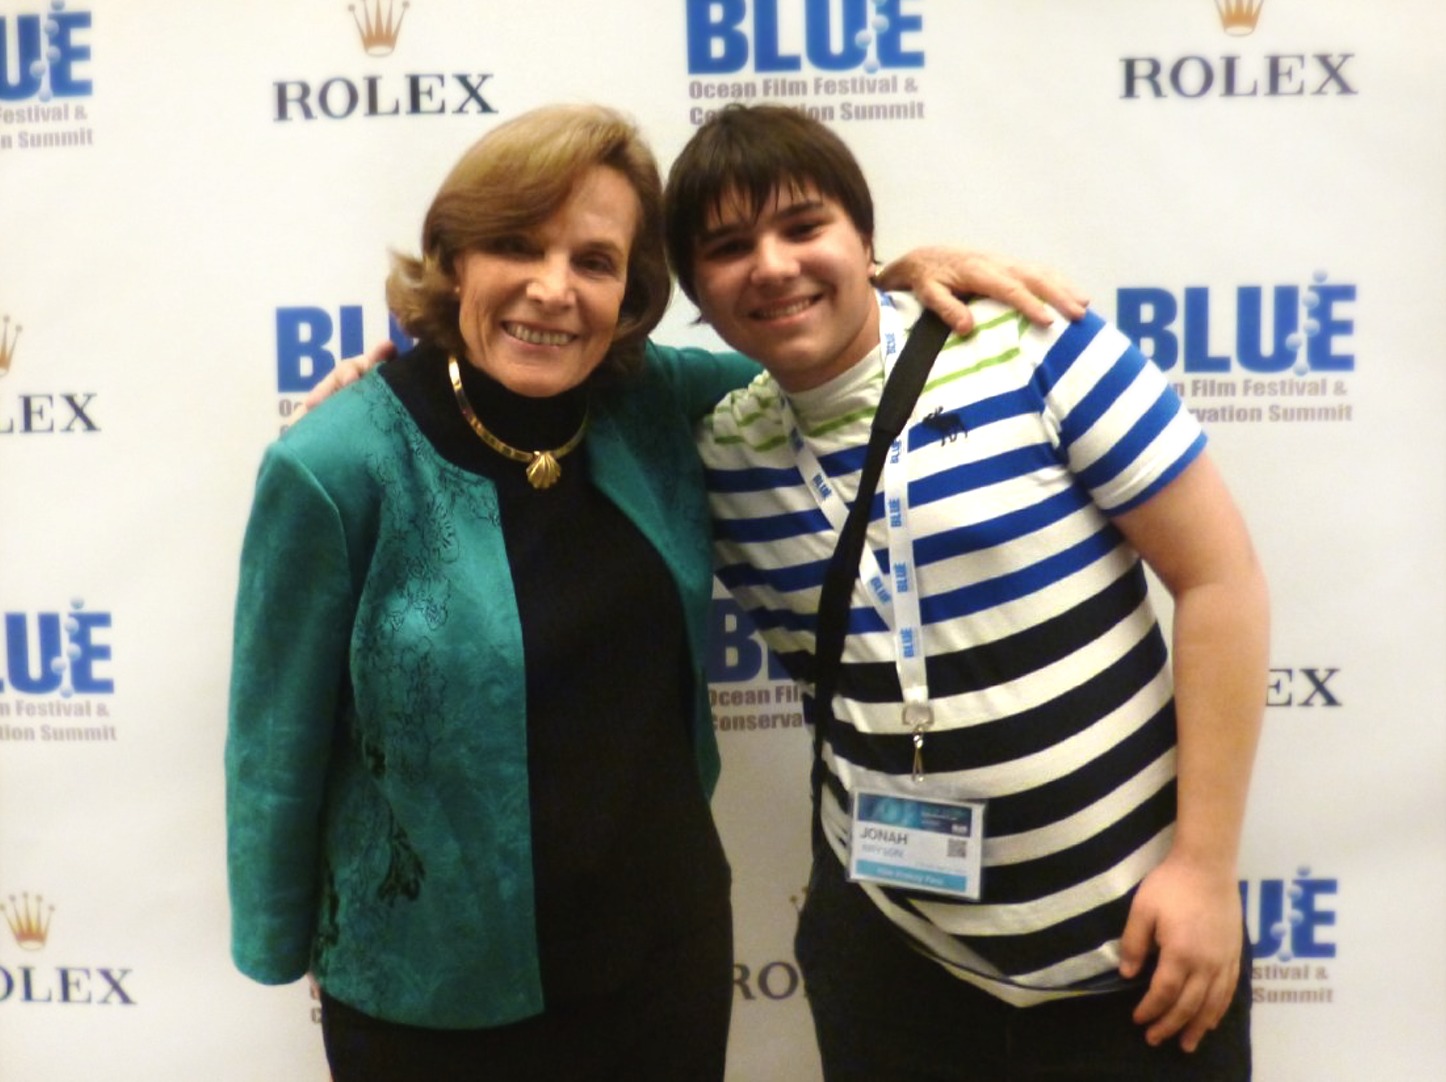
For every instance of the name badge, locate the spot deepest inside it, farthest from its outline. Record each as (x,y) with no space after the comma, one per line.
(928,845)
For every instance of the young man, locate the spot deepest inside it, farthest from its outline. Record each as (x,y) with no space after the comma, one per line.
(1043,469)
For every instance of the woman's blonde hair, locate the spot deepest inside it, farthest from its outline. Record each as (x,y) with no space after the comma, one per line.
(513,179)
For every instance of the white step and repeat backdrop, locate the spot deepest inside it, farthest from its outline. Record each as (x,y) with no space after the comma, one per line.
(196,201)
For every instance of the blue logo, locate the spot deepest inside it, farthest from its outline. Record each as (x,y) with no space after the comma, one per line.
(1291,942)
(51,653)
(736,653)
(728,36)
(901,578)
(310,340)
(1289,920)
(49,55)
(1309,330)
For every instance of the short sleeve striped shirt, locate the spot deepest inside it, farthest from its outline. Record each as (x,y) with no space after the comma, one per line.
(1047,670)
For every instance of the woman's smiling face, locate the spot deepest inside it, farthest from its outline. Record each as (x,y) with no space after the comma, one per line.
(539,309)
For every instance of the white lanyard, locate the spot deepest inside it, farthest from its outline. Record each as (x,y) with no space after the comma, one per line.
(895,596)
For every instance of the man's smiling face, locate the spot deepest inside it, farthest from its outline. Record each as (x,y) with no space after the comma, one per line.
(787,283)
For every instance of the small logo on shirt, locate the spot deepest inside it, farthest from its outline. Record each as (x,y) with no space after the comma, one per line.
(948,425)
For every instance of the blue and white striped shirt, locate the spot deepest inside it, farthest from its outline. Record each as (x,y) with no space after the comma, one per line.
(1048,673)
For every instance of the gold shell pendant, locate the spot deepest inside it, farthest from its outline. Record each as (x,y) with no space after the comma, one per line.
(543,471)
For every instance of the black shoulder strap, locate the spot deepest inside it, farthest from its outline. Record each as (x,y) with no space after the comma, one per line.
(895,405)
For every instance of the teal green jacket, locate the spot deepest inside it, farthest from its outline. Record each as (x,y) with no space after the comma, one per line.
(376,761)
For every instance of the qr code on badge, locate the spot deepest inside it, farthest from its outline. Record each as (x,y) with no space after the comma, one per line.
(958,848)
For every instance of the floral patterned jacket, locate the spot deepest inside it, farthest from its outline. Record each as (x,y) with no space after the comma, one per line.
(376,759)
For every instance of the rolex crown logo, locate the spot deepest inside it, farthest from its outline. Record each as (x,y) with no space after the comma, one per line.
(379,29)
(7,345)
(1238,17)
(29,921)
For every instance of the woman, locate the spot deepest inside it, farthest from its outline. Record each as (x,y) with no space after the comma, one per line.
(470,753)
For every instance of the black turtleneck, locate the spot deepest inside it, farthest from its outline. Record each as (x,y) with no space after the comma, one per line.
(626,859)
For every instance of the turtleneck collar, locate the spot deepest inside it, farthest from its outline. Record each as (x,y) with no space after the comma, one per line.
(526,423)
(856,388)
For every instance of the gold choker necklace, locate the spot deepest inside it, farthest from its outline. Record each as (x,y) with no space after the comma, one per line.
(542,466)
